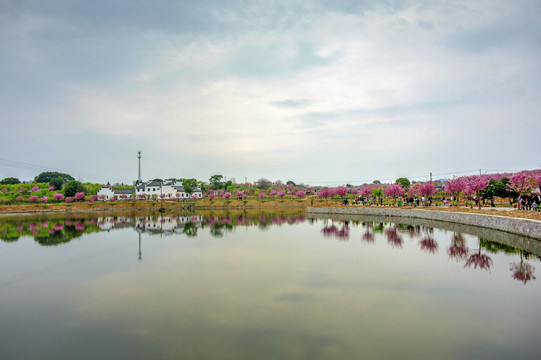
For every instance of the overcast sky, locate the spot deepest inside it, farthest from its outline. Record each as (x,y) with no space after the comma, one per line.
(321,92)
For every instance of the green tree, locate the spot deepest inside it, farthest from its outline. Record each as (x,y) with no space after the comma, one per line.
(289,182)
(72,187)
(10,181)
(215,182)
(57,182)
(47,176)
(263,183)
(404,182)
(189,185)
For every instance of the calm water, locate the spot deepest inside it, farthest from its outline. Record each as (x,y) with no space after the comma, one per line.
(264,286)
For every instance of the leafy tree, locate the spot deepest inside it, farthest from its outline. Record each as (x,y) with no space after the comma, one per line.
(376,182)
(10,181)
(72,187)
(57,182)
(215,182)
(289,182)
(189,185)
(47,176)
(404,182)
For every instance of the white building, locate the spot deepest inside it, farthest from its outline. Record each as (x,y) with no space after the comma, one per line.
(165,189)
(120,194)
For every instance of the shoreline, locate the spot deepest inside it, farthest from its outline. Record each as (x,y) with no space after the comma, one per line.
(514,225)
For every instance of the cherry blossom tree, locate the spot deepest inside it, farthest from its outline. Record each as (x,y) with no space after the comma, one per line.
(394,190)
(281,194)
(79,196)
(44,199)
(261,194)
(58,196)
(429,245)
(522,183)
(227,195)
(33,198)
(455,187)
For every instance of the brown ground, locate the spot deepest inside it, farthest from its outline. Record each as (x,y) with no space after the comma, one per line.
(120,206)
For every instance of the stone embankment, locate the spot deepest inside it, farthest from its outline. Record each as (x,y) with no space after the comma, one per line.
(523,227)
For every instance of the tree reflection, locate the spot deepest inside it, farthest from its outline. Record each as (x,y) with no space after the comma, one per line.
(333,231)
(429,245)
(522,271)
(458,248)
(368,236)
(393,238)
(483,261)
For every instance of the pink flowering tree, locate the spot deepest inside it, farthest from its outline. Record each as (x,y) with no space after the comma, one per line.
(194,197)
(342,191)
(123,196)
(211,196)
(427,189)
(58,196)
(19,198)
(68,199)
(4,190)
(34,189)
(394,191)
(79,195)
(33,198)
(522,183)
(44,199)
(261,195)
(281,194)
(455,187)
(273,193)
(227,195)
(300,194)
(366,190)
(101,197)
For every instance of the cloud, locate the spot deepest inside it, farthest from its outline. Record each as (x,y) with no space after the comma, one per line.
(291,103)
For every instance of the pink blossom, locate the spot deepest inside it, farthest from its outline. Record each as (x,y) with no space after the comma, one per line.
(261,194)
(79,195)
(427,189)
(19,198)
(366,190)
(522,183)
(101,197)
(58,196)
(238,193)
(68,200)
(455,186)
(44,224)
(194,197)
(394,190)
(300,193)
(45,199)
(342,191)
(4,190)
(33,198)
(79,226)
(281,194)
(58,227)
(51,188)
(123,196)
(211,196)
(227,195)
(244,197)
(35,188)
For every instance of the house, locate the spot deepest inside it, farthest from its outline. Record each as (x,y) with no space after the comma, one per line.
(107,193)
(166,190)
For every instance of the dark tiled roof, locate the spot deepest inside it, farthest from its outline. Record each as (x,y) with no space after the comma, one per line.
(123,191)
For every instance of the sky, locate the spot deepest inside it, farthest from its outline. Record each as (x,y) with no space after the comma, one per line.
(318,92)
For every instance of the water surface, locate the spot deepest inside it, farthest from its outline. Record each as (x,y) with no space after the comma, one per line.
(263,286)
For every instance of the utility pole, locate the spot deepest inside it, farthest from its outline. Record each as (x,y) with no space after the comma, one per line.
(139,173)
(479,172)
(430,177)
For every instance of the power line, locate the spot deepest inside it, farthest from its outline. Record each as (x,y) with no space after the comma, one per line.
(34,167)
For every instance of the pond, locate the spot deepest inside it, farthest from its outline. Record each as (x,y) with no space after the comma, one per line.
(264,285)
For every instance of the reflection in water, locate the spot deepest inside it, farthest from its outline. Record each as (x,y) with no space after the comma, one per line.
(458,249)
(483,261)
(522,271)
(208,290)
